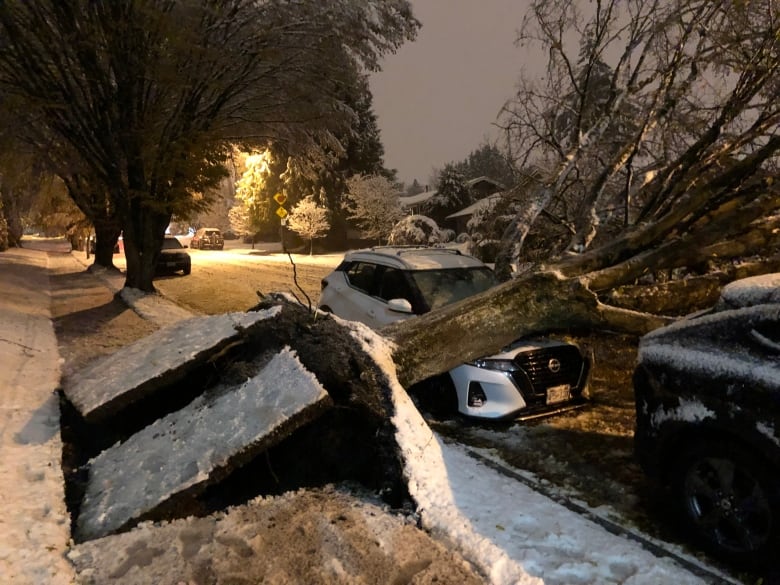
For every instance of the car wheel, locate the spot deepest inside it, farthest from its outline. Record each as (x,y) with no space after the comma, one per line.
(727,501)
(187,270)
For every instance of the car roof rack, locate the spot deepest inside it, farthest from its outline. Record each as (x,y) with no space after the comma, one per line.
(412,248)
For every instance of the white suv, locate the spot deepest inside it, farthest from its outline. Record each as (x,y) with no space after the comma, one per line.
(529,378)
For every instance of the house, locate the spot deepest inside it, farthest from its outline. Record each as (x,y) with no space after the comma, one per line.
(459,220)
(480,187)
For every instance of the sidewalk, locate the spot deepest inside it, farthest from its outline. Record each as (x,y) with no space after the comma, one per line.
(34,524)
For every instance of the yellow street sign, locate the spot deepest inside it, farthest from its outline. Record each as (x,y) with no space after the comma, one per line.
(280,198)
(281,212)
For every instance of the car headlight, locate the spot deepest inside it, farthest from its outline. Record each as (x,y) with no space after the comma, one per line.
(497,365)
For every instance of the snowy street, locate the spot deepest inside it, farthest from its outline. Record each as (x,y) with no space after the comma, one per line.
(510,532)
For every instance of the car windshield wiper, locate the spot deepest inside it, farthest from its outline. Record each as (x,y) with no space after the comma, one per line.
(765,341)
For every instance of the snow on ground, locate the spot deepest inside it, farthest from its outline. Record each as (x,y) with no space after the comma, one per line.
(514,534)
(34,524)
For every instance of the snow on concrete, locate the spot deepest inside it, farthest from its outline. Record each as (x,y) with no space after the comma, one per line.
(180,451)
(34,523)
(107,380)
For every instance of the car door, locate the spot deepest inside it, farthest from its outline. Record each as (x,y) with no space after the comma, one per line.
(387,283)
(369,288)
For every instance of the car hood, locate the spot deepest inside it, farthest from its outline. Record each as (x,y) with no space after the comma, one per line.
(524,345)
(722,346)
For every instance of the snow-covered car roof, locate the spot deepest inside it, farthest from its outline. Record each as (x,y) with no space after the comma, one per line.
(415,258)
(756,290)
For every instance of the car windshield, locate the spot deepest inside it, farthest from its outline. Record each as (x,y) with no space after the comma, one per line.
(171,244)
(442,287)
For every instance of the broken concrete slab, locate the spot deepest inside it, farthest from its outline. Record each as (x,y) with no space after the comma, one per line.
(181,454)
(163,358)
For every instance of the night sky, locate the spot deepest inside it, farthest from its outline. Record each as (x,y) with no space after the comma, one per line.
(437,98)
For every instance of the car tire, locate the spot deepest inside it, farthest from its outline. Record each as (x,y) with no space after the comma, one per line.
(187,269)
(727,501)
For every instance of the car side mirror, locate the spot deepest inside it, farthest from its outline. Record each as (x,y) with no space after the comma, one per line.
(399,306)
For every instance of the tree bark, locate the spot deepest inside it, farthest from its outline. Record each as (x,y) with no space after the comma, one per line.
(478,326)
(106,236)
(686,295)
(143,237)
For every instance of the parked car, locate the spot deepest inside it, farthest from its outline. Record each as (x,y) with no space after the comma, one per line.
(708,420)
(173,257)
(207,238)
(381,285)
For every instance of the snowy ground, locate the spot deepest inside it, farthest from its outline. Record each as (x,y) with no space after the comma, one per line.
(510,532)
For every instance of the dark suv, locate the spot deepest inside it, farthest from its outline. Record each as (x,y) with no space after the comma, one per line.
(708,420)
(207,239)
(173,257)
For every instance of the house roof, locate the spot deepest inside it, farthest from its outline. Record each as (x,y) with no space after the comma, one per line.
(484,202)
(411,200)
(484,179)
(416,199)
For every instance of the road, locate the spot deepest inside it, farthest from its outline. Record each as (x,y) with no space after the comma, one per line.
(229,280)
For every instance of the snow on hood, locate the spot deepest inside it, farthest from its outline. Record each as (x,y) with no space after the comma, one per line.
(711,363)
(756,290)
(524,345)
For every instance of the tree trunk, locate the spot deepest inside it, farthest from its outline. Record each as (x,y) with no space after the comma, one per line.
(144,232)
(478,326)
(106,236)
(686,295)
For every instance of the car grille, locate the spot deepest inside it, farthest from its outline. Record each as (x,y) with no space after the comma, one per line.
(536,376)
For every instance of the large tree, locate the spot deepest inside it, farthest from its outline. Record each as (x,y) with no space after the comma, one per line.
(360,153)
(657,136)
(693,171)
(148,95)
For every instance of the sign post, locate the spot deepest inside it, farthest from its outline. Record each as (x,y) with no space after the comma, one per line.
(280,198)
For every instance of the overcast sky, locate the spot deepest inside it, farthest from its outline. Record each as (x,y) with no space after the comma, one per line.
(437,98)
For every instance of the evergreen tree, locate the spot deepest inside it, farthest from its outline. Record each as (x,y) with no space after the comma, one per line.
(414,188)
(416,230)
(452,195)
(488,161)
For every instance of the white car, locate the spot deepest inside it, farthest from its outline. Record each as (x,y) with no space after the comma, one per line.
(381,285)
